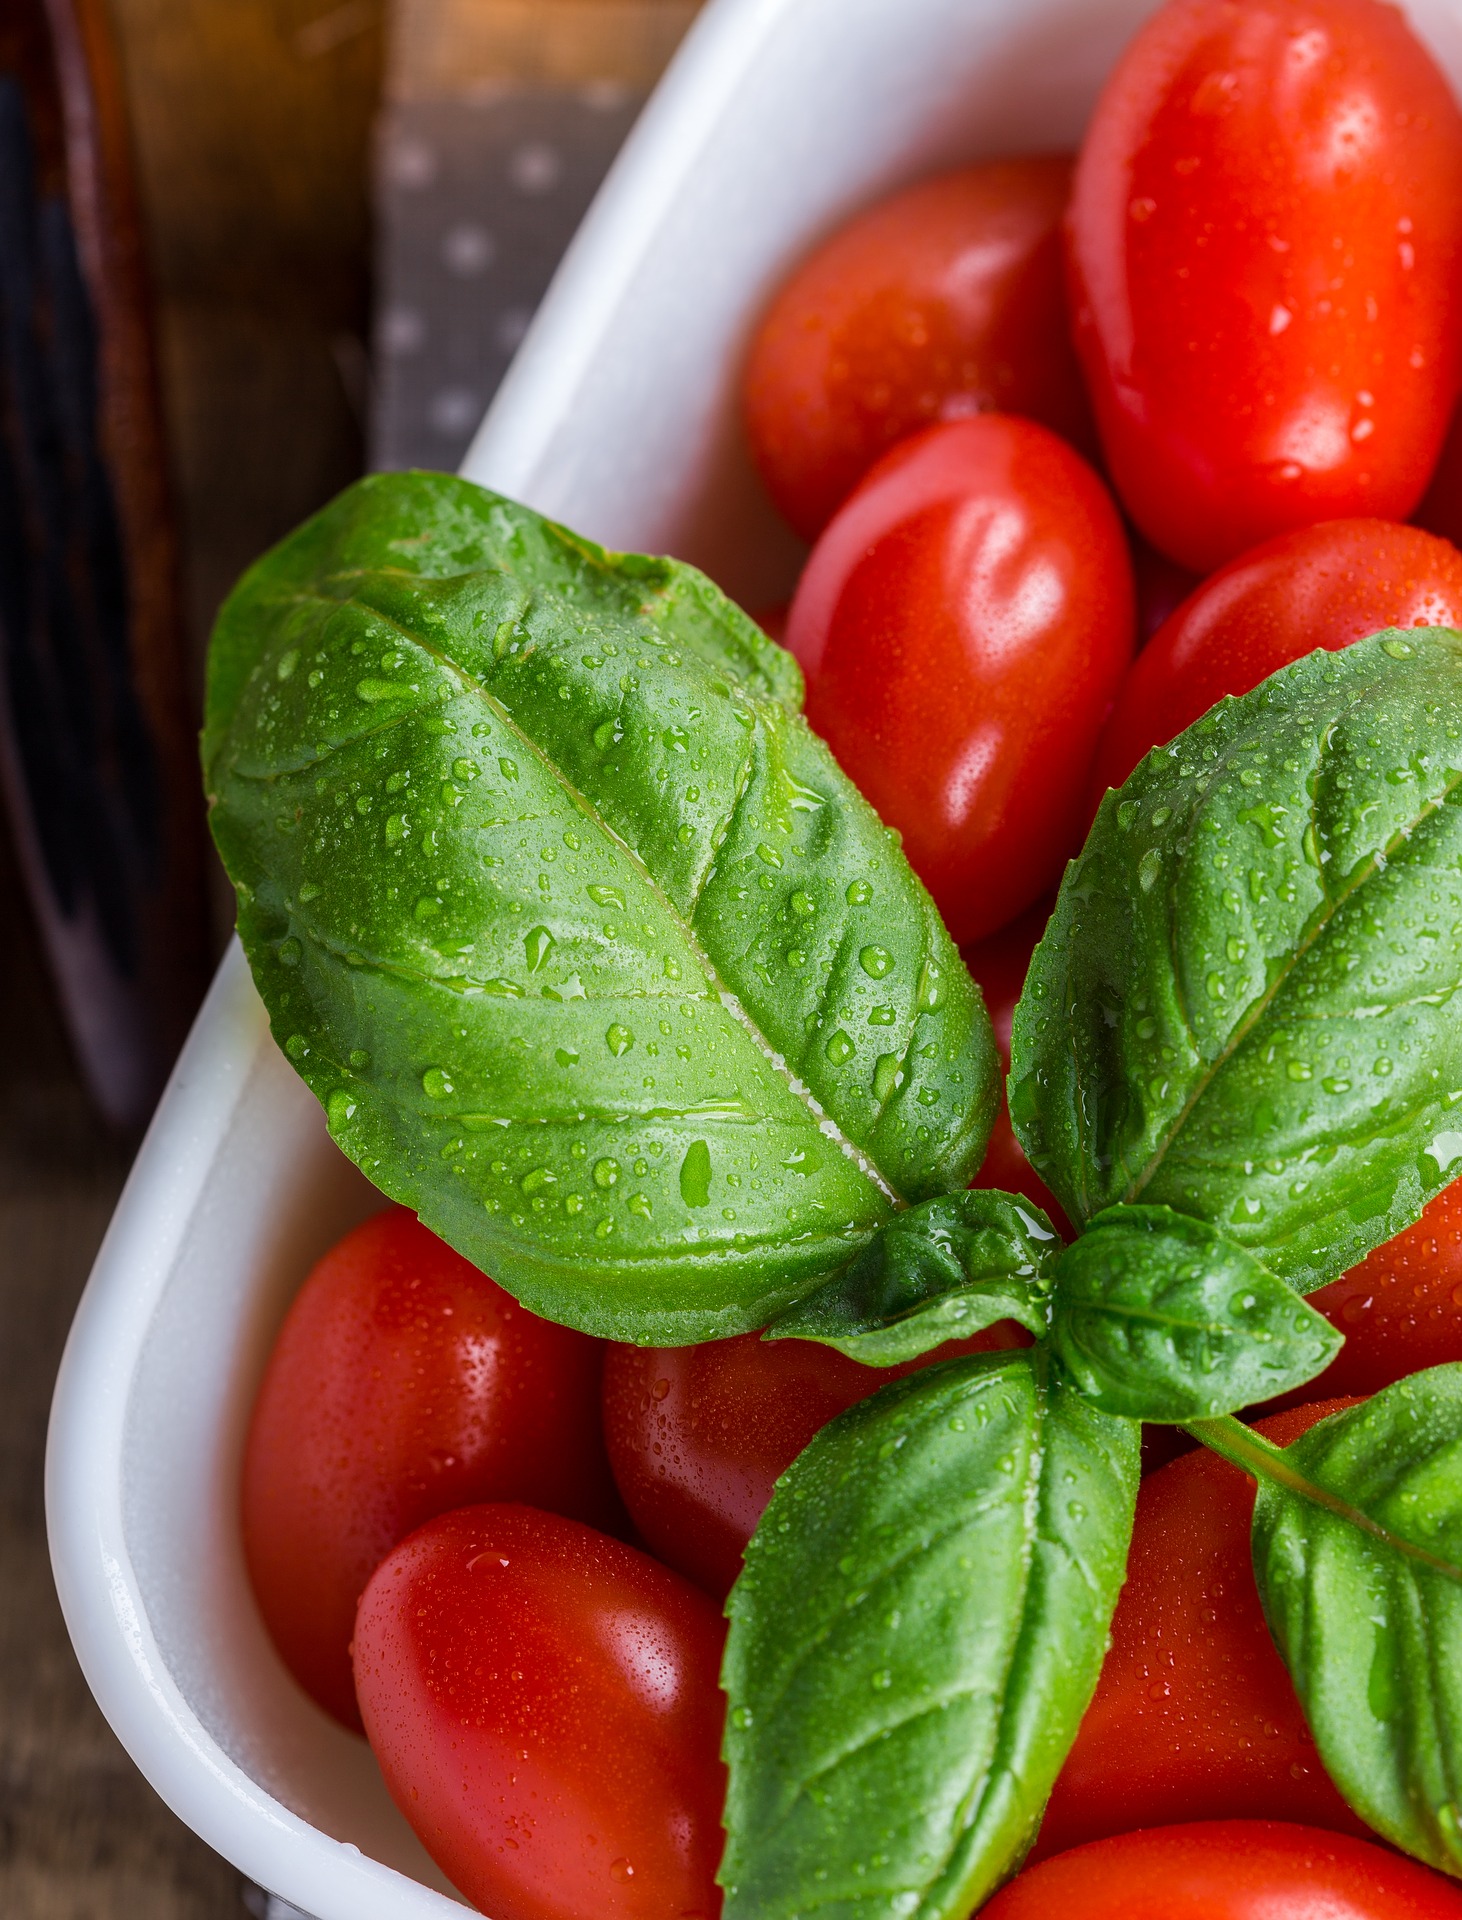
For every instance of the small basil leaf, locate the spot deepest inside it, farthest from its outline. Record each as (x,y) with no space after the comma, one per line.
(1243,1006)
(1368,1617)
(590,951)
(1159,1316)
(918,1629)
(940,1271)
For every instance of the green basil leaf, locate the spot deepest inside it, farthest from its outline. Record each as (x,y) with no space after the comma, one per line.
(1242,1008)
(940,1271)
(1366,1605)
(589,949)
(914,1639)
(1158,1316)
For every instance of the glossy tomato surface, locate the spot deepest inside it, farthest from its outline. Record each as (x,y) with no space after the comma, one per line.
(1401,1309)
(403,1382)
(1228,1870)
(1194,1716)
(1000,965)
(698,1435)
(964,623)
(941,301)
(1264,241)
(1323,586)
(544,1705)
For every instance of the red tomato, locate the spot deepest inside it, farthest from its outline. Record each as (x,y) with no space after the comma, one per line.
(1194,1716)
(942,301)
(544,1705)
(698,1435)
(1321,587)
(1401,1309)
(963,624)
(1000,965)
(1228,1870)
(403,1382)
(1265,242)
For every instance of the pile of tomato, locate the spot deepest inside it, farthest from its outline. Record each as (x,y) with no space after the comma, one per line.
(1080,448)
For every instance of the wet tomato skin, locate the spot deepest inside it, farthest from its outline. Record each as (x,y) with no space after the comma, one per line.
(1323,586)
(964,623)
(1264,244)
(1194,1716)
(697,1436)
(1400,1309)
(944,300)
(1228,1870)
(544,1705)
(402,1383)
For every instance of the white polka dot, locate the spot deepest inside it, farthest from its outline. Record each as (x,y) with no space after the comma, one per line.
(468,250)
(455,409)
(401,330)
(410,163)
(535,167)
(605,96)
(511,326)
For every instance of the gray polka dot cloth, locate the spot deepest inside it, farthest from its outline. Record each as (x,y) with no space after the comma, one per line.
(501,118)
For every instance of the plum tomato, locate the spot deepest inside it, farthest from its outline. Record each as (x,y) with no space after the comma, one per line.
(1161,586)
(1322,586)
(1401,1309)
(698,1435)
(1441,505)
(1000,965)
(1194,1716)
(544,1705)
(1265,252)
(1228,1870)
(403,1382)
(944,300)
(964,624)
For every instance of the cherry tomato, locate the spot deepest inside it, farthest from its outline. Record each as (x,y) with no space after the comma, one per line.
(543,1702)
(1194,1716)
(1324,586)
(964,623)
(1265,240)
(1228,1870)
(698,1435)
(403,1382)
(1000,965)
(1401,1309)
(942,301)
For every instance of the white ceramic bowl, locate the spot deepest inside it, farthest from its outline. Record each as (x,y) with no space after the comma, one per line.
(777,118)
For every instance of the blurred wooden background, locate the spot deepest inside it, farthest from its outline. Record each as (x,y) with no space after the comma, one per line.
(253,124)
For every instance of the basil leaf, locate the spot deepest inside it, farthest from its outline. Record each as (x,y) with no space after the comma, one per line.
(915,1636)
(1242,1008)
(591,952)
(941,1271)
(1368,1616)
(1158,1316)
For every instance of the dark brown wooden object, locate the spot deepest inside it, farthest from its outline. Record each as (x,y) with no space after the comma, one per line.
(97,754)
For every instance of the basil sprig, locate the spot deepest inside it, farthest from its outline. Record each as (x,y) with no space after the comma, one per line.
(1243,1006)
(917,1633)
(939,1272)
(1161,1317)
(595,958)
(1358,1554)
(591,952)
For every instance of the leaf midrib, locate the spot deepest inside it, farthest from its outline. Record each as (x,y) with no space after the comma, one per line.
(1366,870)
